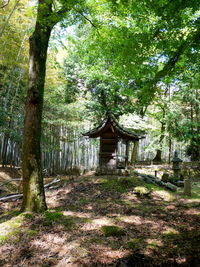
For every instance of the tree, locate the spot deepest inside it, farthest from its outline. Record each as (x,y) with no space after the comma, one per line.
(14,28)
(49,13)
(144,42)
(136,53)
(183,117)
(33,189)
(137,124)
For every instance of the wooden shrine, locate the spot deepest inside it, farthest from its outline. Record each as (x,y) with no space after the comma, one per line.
(110,133)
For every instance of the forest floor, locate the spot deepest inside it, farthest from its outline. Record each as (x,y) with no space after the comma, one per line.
(100,221)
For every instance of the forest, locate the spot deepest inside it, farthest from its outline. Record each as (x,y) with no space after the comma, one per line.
(99,133)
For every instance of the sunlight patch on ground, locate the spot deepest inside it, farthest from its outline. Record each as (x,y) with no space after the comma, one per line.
(101,221)
(154,243)
(53,239)
(105,255)
(70,253)
(131,197)
(4,176)
(96,224)
(89,207)
(181,261)
(170,231)
(190,200)
(52,202)
(77,250)
(171,207)
(134,219)
(78,214)
(192,211)
(52,198)
(49,242)
(138,220)
(10,228)
(165,195)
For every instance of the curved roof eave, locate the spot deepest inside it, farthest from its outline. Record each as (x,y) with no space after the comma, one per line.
(124,134)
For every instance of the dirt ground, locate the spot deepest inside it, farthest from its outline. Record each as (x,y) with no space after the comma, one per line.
(7,185)
(100,221)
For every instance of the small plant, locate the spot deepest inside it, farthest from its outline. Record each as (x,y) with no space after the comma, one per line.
(111,230)
(32,232)
(8,215)
(53,216)
(28,215)
(134,243)
(171,233)
(153,244)
(57,218)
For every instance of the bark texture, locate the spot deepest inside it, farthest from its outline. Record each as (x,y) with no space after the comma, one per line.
(158,157)
(33,188)
(134,153)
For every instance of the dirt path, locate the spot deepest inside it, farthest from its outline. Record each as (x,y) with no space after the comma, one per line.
(99,221)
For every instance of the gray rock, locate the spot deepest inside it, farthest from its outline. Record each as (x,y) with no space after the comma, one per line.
(170,186)
(151,176)
(180,183)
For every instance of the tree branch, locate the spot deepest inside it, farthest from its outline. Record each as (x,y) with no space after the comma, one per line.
(86,18)
(58,15)
(7,20)
(8,1)
(18,196)
(148,92)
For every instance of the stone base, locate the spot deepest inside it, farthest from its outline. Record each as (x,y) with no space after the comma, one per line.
(119,172)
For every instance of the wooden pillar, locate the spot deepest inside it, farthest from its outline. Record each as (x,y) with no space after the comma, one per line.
(127,154)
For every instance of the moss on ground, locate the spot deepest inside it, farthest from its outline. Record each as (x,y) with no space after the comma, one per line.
(58,218)
(135,243)
(111,230)
(10,228)
(119,184)
(51,218)
(115,221)
(8,215)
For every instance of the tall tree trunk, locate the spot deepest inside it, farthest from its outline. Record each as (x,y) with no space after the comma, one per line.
(134,153)
(33,189)
(158,157)
(170,148)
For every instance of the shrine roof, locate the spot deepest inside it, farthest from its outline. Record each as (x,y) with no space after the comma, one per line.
(111,123)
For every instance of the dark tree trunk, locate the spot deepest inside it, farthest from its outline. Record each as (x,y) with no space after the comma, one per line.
(170,149)
(4,150)
(158,157)
(33,189)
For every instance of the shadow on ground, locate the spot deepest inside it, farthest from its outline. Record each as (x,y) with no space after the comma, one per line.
(141,231)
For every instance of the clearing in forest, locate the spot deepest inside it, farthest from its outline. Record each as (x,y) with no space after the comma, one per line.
(100,221)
